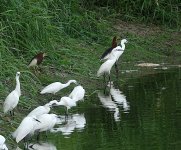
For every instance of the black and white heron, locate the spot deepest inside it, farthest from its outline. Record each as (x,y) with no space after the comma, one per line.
(105,68)
(107,54)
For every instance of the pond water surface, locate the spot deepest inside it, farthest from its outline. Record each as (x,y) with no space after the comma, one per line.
(143,114)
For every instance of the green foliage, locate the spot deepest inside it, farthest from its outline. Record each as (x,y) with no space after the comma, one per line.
(164,12)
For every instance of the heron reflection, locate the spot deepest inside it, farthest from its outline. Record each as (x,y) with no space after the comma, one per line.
(76,121)
(114,100)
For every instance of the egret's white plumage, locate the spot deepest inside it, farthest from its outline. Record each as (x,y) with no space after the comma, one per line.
(56,86)
(105,68)
(118,53)
(67,102)
(41,146)
(47,122)
(40,110)
(2,143)
(25,128)
(78,93)
(12,99)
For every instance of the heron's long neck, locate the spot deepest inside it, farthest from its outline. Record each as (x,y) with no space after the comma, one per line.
(68,83)
(60,103)
(122,45)
(18,86)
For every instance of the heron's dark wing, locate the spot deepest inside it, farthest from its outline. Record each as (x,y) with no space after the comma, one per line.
(108,51)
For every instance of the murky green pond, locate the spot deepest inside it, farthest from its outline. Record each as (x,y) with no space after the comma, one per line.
(145,113)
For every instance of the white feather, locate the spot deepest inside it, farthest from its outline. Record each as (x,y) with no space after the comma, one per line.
(26,127)
(2,143)
(40,110)
(33,63)
(56,86)
(12,99)
(105,68)
(78,93)
(47,122)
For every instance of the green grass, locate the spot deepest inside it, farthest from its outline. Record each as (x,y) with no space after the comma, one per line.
(74,38)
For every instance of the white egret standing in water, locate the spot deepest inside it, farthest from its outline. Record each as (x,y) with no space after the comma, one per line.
(47,122)
(111,59)
(13,98)
(105,68)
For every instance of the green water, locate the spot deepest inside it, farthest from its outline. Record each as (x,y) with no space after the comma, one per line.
(144,113)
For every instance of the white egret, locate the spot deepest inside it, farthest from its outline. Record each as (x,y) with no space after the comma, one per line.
(67,102)
(41,146)
(40,110)
(117,54)
(105,68)
(78,93)
(56,86)
(47,122)
(12,99)
(25,128)
(2,143)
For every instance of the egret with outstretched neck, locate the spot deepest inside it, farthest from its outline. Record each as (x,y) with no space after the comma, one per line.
(12,99)
(56,86)
(67,102)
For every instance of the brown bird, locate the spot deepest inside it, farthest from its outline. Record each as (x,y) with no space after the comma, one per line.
(37,59)
(106,54)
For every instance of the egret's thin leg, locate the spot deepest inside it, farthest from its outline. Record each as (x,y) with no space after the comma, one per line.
(116,68)
(110,80)
(38,136)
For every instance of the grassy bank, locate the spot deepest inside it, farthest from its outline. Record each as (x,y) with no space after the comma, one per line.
(74,38)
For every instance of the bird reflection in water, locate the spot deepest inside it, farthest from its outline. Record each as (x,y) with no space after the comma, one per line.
(41,146)
(112,101)
(76,121)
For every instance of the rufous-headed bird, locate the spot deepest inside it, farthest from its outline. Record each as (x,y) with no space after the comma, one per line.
(107,53)
(37,60)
